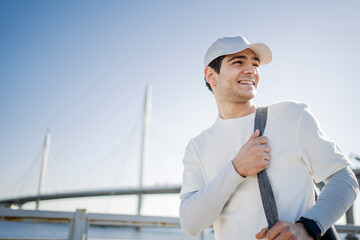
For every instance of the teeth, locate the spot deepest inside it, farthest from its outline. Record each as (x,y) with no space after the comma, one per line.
(245,81)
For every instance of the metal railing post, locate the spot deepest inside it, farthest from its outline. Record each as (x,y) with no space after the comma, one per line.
(78,229)
(350,220)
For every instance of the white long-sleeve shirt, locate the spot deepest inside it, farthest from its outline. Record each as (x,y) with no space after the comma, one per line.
(213,192)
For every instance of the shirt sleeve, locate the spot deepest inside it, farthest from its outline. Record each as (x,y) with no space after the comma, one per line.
(321,155)
(200,209)
(338,194)
(193,179)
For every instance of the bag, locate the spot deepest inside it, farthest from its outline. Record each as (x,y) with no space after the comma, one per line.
(331,234)
(260,122)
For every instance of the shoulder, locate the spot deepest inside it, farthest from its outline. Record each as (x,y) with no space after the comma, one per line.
(288,114)
(199,141)
(289,105)
(288,108)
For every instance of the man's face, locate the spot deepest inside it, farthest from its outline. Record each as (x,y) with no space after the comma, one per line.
(239,77)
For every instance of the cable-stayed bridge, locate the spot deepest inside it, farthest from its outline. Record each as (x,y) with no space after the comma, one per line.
(109,162)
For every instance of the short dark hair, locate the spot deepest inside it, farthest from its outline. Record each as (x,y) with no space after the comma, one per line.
(216,65)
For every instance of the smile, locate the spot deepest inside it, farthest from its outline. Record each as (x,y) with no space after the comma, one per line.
(246,82)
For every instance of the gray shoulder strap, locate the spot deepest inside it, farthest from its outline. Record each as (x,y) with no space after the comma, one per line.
(267,195)
(260,119)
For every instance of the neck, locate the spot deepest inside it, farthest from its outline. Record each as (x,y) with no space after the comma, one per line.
(236,110)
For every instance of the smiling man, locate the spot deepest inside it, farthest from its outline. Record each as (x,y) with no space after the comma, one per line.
(220,186)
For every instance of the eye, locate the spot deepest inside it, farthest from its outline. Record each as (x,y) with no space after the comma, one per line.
(256,65)
(240,62)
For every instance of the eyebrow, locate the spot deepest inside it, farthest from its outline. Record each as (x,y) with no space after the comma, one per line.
(243,57)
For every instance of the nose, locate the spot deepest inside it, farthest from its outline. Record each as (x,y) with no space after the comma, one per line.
(250,70)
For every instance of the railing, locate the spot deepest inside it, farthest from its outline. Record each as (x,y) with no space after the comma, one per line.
(80,225)
(19,201)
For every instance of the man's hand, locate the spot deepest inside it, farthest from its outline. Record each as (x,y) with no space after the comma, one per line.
(253,157)
(284,231)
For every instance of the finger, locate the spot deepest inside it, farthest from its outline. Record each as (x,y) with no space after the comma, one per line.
(255,134)
(266,148)
(275,230)
(264,164)
(288,235)
(267,156)
(262,140)
(262,233)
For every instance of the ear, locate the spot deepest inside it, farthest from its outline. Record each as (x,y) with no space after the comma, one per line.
(211,76)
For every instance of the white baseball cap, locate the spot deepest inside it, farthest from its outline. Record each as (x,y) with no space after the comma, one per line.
(230,45)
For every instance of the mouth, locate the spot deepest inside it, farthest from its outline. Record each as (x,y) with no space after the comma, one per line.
(246,82)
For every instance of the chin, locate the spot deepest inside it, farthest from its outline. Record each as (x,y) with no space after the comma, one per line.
(243,100)
(248,97)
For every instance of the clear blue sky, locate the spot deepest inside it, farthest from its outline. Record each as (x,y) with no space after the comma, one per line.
(80,68)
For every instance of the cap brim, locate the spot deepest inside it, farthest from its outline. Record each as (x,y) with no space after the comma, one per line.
(262,51)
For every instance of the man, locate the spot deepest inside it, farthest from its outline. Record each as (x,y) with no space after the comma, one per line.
(220,185)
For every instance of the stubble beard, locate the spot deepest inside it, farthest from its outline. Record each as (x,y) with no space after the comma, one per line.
(234,94)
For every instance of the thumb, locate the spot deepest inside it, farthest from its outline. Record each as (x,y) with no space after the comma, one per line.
(255,134)
(262,233)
